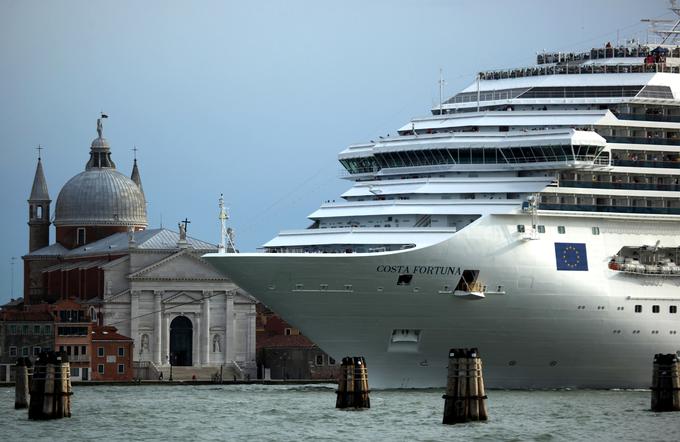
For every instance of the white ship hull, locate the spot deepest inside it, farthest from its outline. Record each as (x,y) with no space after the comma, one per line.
(542,328)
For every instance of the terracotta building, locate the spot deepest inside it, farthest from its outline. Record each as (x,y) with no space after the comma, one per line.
(111,356)
(73,326)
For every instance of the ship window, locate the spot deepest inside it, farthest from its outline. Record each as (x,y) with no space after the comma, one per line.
(655,309)
(404,279)
(80,233)
(673,309)
(541,229)
(596,230)
(561,230)
(638,309)
(520,228)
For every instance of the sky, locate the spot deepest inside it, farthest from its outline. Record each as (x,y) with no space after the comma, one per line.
(252,99)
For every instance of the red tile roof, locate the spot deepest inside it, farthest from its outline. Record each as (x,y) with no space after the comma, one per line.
(107,333)
(289,341)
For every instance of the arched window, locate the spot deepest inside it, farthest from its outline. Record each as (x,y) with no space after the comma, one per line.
(39,212)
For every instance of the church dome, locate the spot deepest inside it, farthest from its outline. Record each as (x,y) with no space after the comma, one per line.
(100,197)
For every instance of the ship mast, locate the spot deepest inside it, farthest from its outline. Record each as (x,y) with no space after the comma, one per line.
(669,35)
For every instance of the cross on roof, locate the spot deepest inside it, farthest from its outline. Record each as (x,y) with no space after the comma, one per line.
(185,222)
(134,149)
(39,149)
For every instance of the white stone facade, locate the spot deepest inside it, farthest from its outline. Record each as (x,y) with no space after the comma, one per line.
(147,289)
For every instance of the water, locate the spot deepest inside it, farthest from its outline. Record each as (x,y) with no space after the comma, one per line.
(299,413)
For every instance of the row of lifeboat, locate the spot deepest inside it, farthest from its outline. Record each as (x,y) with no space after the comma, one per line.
(647,260)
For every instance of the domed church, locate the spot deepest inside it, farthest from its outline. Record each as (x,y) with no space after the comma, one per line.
(151,284)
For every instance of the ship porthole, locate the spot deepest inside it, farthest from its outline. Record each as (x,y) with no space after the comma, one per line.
(511,363)
(553,363)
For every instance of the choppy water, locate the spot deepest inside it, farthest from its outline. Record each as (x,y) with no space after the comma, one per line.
(297,413)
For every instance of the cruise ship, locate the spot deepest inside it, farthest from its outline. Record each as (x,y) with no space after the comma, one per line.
(534,215)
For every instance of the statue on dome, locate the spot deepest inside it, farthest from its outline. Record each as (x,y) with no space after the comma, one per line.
(100,127)
(182,231)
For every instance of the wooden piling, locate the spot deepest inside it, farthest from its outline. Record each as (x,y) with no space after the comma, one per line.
(51,387)
(21,394)
(465,398)
(666,383)
(353,389)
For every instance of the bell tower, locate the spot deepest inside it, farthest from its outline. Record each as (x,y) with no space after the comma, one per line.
(39,211)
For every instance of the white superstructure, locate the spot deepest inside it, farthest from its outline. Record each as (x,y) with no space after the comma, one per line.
(534,215)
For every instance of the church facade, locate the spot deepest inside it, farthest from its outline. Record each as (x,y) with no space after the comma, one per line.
(151,284)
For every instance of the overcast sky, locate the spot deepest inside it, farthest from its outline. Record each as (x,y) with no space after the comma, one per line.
(251,99)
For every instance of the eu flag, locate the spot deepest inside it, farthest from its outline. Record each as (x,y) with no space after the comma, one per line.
(571,256)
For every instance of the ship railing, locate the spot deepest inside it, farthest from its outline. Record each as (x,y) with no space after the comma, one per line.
(647,117)
(604,208)
(663,141)
(602,53)
(543,70)
(619,185)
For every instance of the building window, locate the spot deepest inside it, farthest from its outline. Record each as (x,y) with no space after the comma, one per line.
(541,229)
(287,331)
(319,359)
(121,368)
(561,230)
(36,329)
(638,309)
(83,350)
(48,330)
(655,309)
(24,351)
(673,309)
(24,329)
(100,368)
(596,230)
(61,348)
(36,351)
(80,232)
(75,350)
(75,372)
(331,361)
(520,228)
(13,329)
(100,352)
(121,351)
(12,351)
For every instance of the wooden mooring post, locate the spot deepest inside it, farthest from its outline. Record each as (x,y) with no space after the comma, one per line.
(51,387)
(353,384)
(21,376)
(666,383)
(465,398)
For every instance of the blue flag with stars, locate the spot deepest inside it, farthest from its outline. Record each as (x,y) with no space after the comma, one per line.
(571,256)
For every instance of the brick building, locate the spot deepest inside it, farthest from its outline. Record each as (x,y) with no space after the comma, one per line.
(284,353)
(23,334)
(111,356)
(73,326)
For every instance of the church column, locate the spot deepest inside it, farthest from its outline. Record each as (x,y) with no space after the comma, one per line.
(165,334)
(228,327)
(252,324)
(196,344)
(134,319)
(157,330)
(206,328)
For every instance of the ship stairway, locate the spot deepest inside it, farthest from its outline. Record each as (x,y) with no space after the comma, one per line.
(424,221)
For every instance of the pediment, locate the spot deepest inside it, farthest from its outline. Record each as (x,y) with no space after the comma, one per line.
(181,266)
(182,298)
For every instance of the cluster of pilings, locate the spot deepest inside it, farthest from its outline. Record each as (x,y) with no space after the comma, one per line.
(51,387)
(353,384)
(465,399)
(666,383)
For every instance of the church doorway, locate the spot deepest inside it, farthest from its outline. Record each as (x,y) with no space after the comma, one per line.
(181,336)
